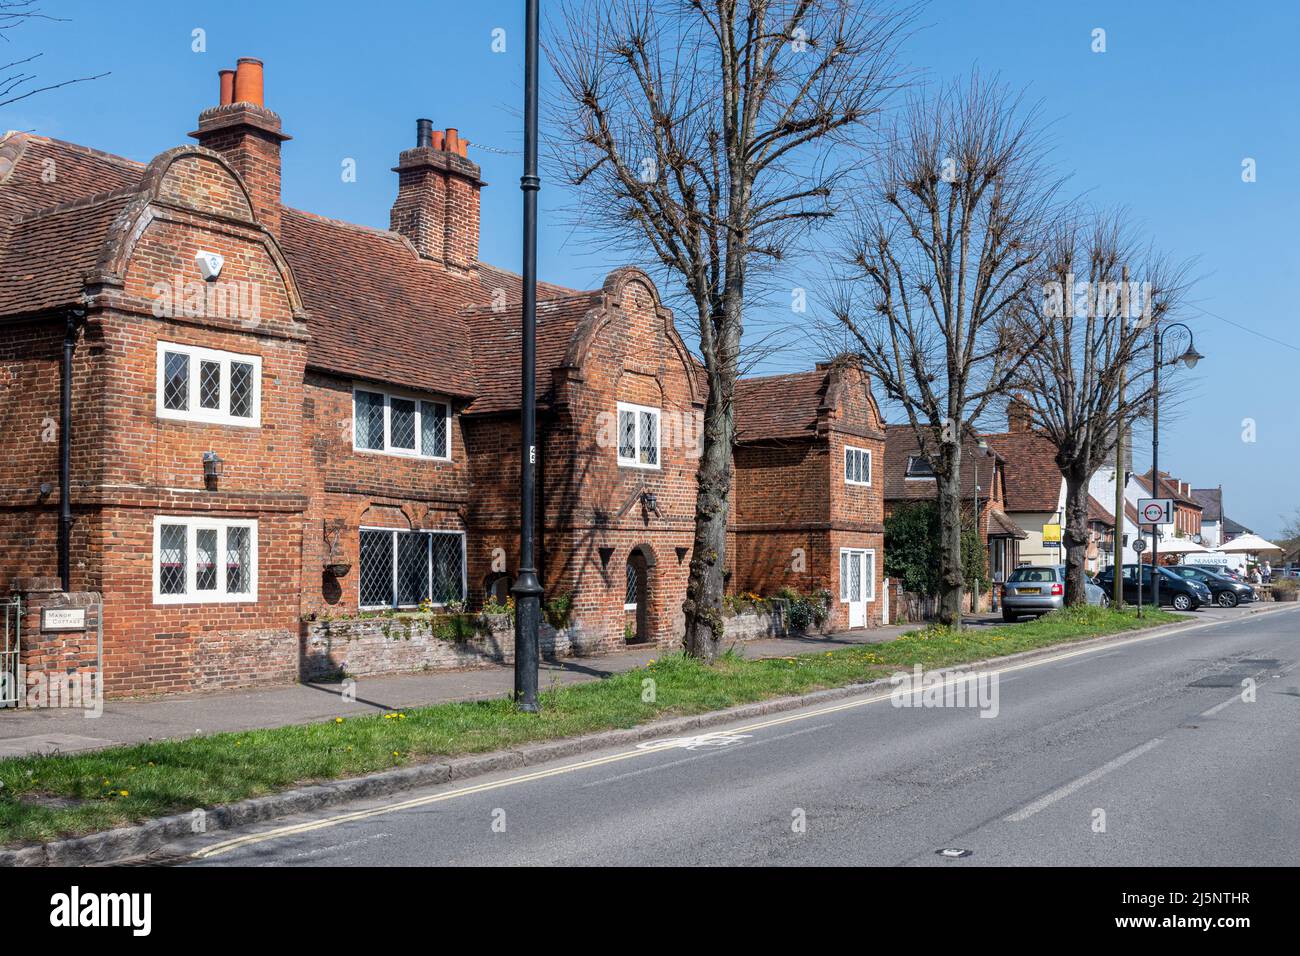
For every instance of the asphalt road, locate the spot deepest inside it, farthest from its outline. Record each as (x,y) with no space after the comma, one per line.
(1151,732)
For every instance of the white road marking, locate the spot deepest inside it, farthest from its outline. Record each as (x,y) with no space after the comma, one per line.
(226,846)
(1060,793)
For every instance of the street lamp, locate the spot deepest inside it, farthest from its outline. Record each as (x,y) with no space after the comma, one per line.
(1189,357)
(527,589)
(975,480)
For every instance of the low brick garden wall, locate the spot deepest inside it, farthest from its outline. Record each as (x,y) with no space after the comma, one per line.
(406,644)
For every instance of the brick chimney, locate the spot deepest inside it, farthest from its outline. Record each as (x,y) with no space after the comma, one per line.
(1020,415)
(248,134)
(437,206)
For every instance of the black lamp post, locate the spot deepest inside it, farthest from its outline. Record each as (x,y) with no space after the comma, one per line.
(527,589)
(1189,358)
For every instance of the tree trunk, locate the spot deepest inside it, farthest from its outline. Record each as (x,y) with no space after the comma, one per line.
(1075,537)
(706,585)
(950,576)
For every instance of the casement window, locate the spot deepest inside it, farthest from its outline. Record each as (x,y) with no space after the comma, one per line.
(397,424)
(407,568)
(857,466)
(204,560)
(632,592)
(206,385)
(638,436)
(919,467)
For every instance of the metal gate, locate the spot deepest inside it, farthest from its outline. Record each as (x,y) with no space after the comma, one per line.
(11,616)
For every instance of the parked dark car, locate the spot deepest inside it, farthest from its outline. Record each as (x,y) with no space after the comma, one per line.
(1226,591)
(1182,594)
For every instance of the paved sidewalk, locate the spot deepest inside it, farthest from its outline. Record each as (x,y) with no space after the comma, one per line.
(135,721)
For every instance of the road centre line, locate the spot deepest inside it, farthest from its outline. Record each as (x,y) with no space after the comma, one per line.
(226,846)
(1060,793)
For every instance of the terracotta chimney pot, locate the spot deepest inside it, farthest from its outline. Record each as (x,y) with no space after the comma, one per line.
(248,81)
(227,86)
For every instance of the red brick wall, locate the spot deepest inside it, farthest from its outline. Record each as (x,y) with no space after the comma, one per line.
(348,489)
(587,502)
(793,508)
(129,465)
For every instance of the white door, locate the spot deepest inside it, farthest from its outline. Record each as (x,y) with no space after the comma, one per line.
(857,583)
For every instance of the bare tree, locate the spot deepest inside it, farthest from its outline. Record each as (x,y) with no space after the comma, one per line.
(15,78)
(707,136)
(943,256)
(1089,379)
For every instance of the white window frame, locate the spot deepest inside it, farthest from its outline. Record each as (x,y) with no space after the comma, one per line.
(631,607)
(193,524)
(869,580)
(635,461)
(907,469)
(866,452)
(393,533)
(196,413)
(418,398)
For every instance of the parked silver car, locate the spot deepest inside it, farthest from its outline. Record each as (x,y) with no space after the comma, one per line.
(1037,589)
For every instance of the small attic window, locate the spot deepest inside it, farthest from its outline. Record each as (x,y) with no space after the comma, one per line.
(919,467)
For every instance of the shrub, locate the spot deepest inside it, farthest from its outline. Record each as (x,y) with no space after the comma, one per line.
(454,627)
(490,606)
(738,603)
(803,611)
(912,549)
(558,610)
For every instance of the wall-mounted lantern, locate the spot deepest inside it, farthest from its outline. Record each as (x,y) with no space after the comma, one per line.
(212,467)
(650,502)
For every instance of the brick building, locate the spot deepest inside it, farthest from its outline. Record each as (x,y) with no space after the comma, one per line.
(909,477)
(808,509)
(278,416)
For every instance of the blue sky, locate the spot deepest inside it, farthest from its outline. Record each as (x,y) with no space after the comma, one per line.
(1160,123)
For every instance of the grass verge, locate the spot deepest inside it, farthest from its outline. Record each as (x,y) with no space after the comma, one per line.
(44,797)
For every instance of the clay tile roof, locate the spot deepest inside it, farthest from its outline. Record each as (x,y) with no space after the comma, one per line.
(377,310)
(779,406)
(1168,489)
(491,278)
(1000,526)
(1099,513)
(498,334)
(26,161)
(44,259)
(901,445)
(1032,476)
(1211,502)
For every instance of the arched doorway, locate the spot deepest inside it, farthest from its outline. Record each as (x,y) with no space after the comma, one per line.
(637,595)
(496,587)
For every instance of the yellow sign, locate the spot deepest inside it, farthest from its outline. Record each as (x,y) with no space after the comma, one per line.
(1051,532)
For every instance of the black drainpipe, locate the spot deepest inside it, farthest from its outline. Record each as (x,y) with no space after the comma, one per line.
(73,319)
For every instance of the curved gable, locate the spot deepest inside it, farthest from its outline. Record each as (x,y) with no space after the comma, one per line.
(628,294)
(198,179)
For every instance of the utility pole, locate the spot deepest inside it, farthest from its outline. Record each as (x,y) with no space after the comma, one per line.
(1117,585)
(527,589)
